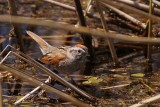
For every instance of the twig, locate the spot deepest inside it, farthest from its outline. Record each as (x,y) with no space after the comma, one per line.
(130,55)
(119,20)
(119,12)
(139,5)
(156,2)
(117,86)
(67,27)
(148,87)
(110,43)
(61,5)
(147,101)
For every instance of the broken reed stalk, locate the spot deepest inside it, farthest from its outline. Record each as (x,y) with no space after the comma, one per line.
(87,38)
(156,2)
(139,6)
(61,5)
(17,27)
(125,15)
(79,29)
(110,43)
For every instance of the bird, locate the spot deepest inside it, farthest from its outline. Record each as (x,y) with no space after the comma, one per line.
(65,59)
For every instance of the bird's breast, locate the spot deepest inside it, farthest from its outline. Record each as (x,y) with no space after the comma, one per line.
(70,66)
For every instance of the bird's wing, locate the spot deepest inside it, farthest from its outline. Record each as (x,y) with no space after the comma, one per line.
(53,58)
(44,46)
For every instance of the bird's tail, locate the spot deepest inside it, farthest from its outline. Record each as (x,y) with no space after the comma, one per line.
(44,46)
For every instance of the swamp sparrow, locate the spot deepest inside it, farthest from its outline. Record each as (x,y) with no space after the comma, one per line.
(66,59)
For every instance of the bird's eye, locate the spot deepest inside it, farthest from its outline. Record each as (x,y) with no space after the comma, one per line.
(79,51)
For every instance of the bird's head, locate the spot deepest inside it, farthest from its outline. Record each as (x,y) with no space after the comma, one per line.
(77,52)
